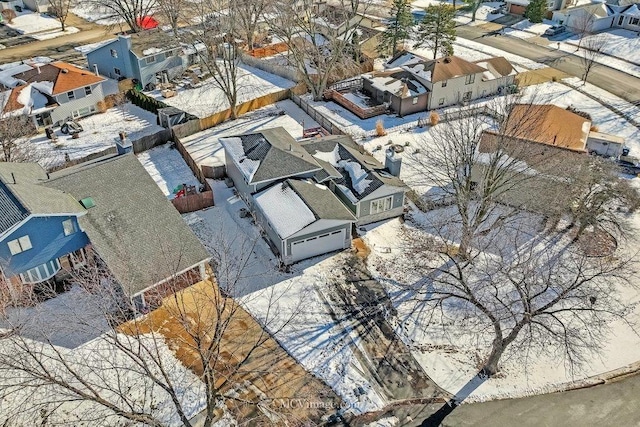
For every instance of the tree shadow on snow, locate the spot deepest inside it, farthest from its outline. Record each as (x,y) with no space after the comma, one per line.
(447,408)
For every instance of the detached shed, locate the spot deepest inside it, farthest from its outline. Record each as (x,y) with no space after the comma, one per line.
(171,116)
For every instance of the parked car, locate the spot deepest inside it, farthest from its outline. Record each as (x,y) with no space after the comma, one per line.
(556,29)
(629,165)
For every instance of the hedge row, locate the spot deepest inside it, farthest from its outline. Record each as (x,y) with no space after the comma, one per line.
(145,102)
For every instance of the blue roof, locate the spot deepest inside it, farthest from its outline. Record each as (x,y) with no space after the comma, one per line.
(11,210)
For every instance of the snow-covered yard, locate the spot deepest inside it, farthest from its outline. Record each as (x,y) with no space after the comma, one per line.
(205,149)
(462,16)
(167,168)
(311,336)
(38,26)
(526,29)
(451,357)
(95,13)
(100,132)
(207,98)
(620,50)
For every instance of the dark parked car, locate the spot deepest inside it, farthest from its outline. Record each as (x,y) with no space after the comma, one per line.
(629,165)
(556,29)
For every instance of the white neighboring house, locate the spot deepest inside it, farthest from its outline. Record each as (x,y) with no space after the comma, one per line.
(600,16)
(50,93)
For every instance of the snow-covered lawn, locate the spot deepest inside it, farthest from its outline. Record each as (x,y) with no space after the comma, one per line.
(462,16)
(208,98)
(311,335)
(205,149)
(451,357)
(167,168)
(100,133)
(94,13)
(38,26)
(474,51)
(526,29)
(621,50)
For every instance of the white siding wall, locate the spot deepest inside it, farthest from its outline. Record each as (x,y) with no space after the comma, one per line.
(68,107)
(455,89)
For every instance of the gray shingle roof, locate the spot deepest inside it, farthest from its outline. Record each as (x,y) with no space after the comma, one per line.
(349,150)
(11,210)
(279,154)
(133,227)
(322,201)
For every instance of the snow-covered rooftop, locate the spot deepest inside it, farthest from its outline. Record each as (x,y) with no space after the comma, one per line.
(286,212)
(248,167)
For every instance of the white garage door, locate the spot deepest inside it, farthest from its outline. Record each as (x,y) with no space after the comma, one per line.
(313,246)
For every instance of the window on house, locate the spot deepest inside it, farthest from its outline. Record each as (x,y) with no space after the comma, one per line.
(466,96)
(19,245)
(117,71)
(71,95)
(41,273)
(551,5)
(441,101)
(69,227)
(415,100)
(114,53)
(87,90)
(470,79)
(150,59)
(444,83)
(634,21)
(381,205)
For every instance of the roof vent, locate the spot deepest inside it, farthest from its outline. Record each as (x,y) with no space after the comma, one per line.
(64,71)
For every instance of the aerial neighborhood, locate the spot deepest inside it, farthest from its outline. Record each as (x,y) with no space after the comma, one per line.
(364,213)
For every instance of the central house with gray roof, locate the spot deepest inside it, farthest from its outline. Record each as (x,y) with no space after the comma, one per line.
(307,195)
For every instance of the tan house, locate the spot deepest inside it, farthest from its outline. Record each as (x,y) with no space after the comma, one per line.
(446,81)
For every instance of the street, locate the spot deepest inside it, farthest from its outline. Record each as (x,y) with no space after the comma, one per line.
(617,82)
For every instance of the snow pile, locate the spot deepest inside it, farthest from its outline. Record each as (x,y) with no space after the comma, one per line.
(357,174)
(285,211)
(235,149)
(167,168)
(332,157)
(32,96)
(151,51)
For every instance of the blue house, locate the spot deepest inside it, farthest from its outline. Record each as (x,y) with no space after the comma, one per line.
(91,213)
(39,228)
(148,56)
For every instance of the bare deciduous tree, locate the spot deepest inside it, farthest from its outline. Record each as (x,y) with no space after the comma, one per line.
(219,55)
(249,14)
(129,373)
(480,172)
(60,9)
(130,11)
(544,296)
(319,38)
(14,128)
(174,11)
(592,49)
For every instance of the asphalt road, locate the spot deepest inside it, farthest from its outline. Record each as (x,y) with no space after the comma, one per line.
(617,82)
(59,47)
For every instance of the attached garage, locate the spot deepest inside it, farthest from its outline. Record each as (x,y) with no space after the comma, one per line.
(303,219)
(318,245)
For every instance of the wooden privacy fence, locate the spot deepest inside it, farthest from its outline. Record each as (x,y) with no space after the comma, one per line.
(193,202)
(322,120)
(195,126)
(147,142)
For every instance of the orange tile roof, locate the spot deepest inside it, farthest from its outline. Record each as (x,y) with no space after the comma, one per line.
(548,124)
(65,77)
